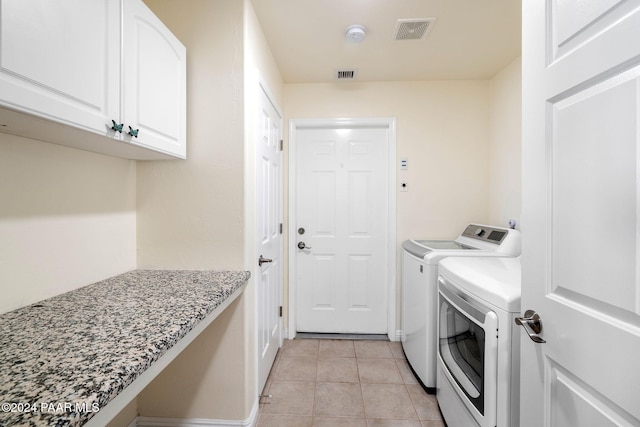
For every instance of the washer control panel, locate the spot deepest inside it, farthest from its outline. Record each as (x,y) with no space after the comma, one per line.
(486,233)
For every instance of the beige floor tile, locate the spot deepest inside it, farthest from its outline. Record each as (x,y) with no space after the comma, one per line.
(338,400)
(387,401)
(336,348)
(381,422)
(380,371)
(426,405)
(396,349)
(337,370)
(300,348)
(339,422)
(406,372)
(271,375)
(267,420)
(296,368)
(290,398)
(378,349)
(321,383)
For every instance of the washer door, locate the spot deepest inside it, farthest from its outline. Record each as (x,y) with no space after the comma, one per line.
(467,345)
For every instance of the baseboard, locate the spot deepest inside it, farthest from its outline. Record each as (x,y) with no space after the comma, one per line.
(399,335)
(196,422)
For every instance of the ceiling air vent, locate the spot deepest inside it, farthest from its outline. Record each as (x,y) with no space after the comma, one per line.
(346,74)
(413,29)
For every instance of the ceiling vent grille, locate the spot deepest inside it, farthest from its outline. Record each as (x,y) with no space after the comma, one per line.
(346,74)
(413,29)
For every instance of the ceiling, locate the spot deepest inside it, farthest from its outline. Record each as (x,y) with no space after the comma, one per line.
(471,39)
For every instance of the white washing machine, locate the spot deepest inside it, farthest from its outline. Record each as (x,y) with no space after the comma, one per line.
(479,342)
(420,260)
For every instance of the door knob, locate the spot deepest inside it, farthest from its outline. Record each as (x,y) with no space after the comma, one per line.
(532,324)
(302,245)
(262,260)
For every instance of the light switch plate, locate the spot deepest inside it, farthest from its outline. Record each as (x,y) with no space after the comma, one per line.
(404,164)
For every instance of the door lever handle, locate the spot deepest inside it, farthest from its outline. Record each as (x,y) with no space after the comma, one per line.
(262,260)
(302,245)
(532,325)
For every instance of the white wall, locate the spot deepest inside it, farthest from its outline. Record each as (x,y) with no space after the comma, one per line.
(67,219)
(442,129)
(199,213)
(190,213)
(505,144)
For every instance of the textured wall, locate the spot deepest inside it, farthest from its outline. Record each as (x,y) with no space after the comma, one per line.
(506,141)
(190,213)
(67,219)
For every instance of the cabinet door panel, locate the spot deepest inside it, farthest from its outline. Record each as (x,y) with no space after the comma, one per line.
(154,81)
(60,60)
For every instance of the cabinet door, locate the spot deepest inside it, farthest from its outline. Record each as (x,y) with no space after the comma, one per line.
(154,92)
(60,60)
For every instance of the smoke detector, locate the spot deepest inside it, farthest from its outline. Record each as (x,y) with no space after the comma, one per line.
(413,29)
(355,33)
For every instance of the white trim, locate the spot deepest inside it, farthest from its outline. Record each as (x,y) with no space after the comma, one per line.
(390,124)
(197,422)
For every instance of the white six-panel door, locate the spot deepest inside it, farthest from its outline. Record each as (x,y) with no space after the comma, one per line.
(581,206)
(341,214)
(269,234)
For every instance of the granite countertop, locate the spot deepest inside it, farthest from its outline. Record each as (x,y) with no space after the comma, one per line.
(65,358)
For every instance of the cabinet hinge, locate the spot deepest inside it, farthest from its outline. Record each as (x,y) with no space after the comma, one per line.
(280,228)
(280,311)
(281,145)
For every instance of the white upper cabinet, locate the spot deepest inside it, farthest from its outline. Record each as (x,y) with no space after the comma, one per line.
(61,60)
(154,72)
(67,77)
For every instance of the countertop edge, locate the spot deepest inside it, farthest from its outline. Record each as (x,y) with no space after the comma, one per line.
(117,404)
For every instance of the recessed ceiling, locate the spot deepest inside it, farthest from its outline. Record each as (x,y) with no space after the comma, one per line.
(470,39)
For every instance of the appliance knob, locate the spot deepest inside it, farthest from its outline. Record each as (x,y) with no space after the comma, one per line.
(479,232)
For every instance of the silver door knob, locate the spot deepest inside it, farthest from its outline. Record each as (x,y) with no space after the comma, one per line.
(302,245)
(262,260)
(531,323)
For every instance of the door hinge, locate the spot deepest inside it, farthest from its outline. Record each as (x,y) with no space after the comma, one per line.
(280,228)
(280,311)
(281,145)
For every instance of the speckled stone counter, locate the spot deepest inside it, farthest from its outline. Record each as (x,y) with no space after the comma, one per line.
(63,359)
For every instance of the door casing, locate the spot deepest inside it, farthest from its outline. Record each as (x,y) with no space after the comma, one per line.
(390,124)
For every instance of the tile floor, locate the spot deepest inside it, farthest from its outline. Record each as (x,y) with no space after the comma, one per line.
(345,383)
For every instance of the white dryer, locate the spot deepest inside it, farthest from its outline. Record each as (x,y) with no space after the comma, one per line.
(420,260)
(479,342)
